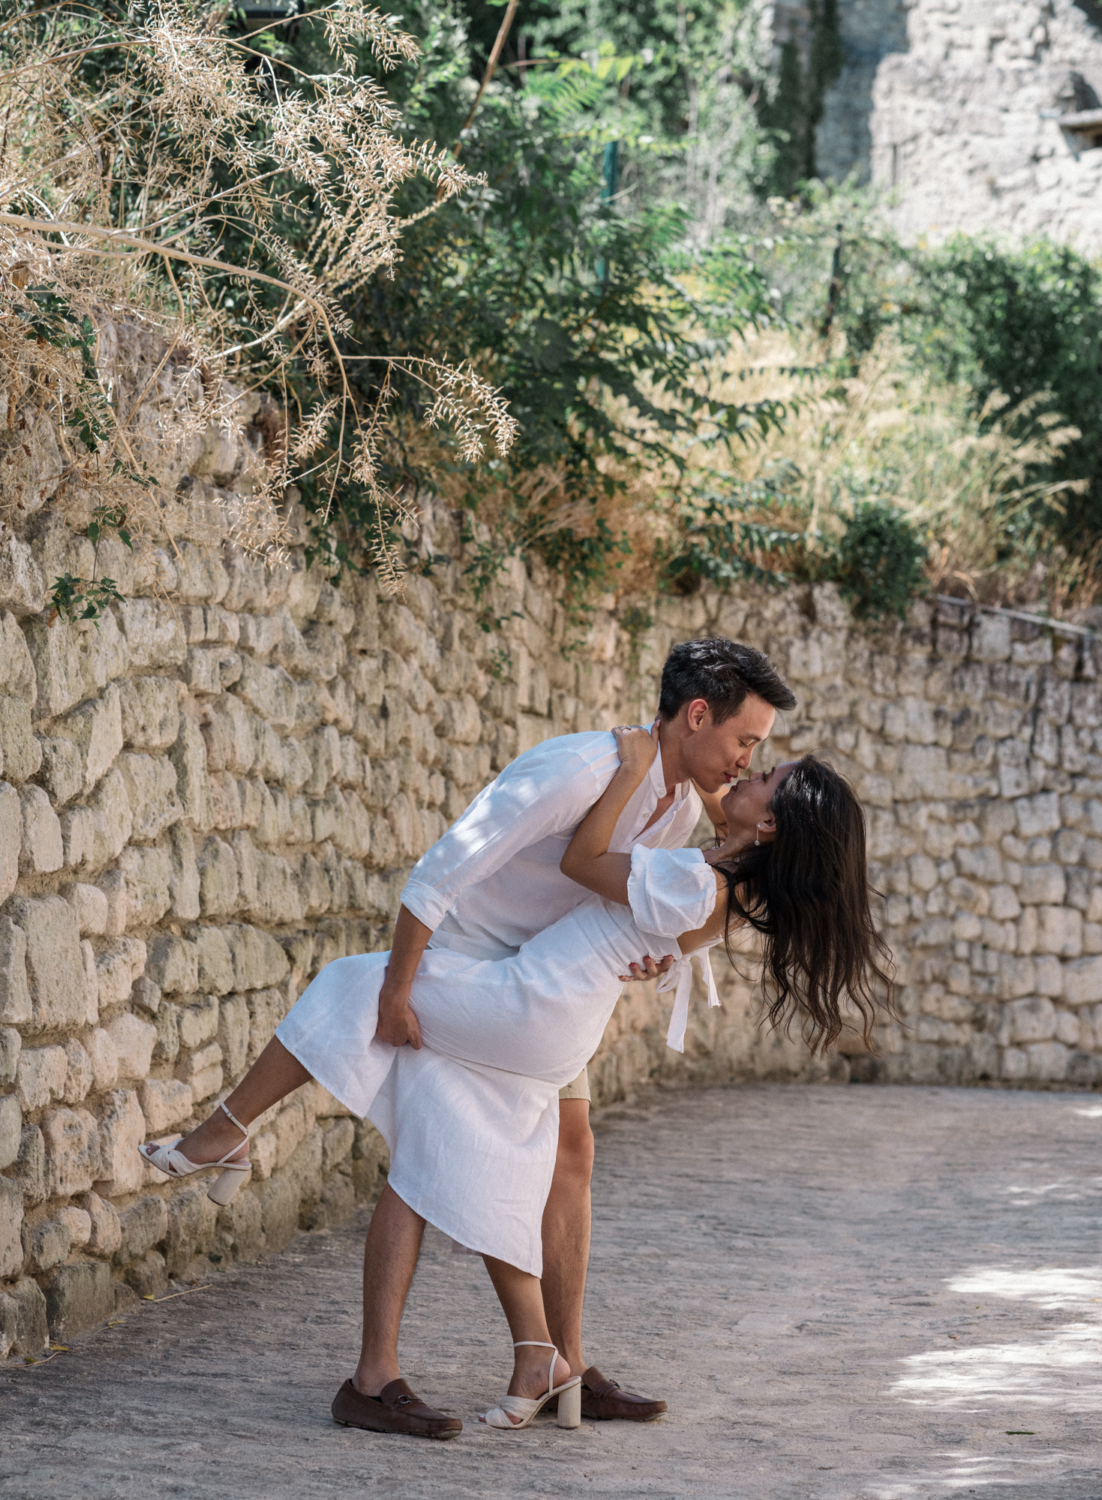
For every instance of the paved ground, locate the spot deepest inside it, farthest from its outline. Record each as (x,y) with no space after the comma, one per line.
(876,1293)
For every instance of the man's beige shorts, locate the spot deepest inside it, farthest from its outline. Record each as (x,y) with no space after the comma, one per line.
(579,1089)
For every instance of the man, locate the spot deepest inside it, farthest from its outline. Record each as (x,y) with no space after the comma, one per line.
(486,887)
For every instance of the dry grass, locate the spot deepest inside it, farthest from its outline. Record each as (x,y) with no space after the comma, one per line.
(966,481)
(118,189)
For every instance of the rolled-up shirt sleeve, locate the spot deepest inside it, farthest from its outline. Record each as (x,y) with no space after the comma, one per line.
(539,794)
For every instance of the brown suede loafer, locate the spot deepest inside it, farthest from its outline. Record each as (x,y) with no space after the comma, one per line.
(394,1409)
(603,1399)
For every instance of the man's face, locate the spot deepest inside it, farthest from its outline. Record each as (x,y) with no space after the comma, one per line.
(714,754)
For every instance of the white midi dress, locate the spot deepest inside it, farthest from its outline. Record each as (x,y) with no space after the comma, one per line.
(471,1119)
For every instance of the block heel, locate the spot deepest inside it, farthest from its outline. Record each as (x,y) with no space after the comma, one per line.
(570,1407)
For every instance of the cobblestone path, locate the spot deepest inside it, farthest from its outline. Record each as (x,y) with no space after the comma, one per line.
(843,1292)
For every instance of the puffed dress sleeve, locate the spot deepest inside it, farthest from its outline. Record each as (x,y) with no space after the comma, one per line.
(670,891)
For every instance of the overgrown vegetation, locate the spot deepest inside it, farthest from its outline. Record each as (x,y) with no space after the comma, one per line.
(528,260)
(152,173)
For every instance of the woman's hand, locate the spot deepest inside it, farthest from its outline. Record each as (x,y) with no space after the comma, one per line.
(637,748)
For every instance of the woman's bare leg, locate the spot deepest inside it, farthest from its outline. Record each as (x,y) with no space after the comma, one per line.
(522,1303)
(275,1074)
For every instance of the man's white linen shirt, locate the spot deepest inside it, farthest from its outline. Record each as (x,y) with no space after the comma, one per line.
(493,880)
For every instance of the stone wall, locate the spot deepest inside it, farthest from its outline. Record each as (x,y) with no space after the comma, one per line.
(221,786)
(965,125)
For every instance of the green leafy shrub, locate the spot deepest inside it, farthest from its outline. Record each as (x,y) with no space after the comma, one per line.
(880,558)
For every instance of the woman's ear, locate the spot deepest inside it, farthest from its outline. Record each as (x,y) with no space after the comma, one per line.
(767,829)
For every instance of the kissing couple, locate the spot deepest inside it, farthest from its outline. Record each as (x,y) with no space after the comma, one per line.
(466,1045)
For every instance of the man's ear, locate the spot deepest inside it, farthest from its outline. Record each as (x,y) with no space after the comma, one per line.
(696,712)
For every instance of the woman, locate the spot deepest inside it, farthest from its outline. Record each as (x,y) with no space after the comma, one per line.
(471,1118)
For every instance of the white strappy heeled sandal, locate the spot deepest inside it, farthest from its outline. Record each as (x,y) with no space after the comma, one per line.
(569,1394)
(173,1163)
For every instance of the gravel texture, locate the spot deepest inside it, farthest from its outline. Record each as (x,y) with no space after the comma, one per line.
(842,1292)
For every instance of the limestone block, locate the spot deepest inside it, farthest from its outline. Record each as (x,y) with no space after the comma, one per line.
(168,1033)
(173,963)
(146,995)
(269,691)
(105,1229)
(41,1076)
(270,888)
(11,1132)
(144,1224)
(30,1166)
(1060,930)
(72,1151)
(20,751)
(45,1244)
(121,1131)
(31,1331)
(203,1071)
(258,960)
(79,1076)
(183,882)
(266,1010)
(79,1225)
(134,1040)
(1048,975)
(190,1225)
(1042,883)
(119,963)
(1068,1028)
(1047,1062)
(11,838)
(218,882)
(89,907)
(11,1225)
(990,638)
(148,876)
(112,818)
(228,735)
(150,714)
(980,862)
(78,1297)
(1012,760)
(165,1103)
(15,993)
(78,836)
(104,1060)
(215,961)
(189,756)
(147,1276)
(268,753)
(17,675)
(337,1143)
(198,1023)
(233,1034)
(22,588)
(95,728)
(153,636)
(1038,814)
(151,786)
(11,1044)
(203,672)
(1031,1020)
(1083,981)
(297,766)
(324,750)
(58,666)
(42,849)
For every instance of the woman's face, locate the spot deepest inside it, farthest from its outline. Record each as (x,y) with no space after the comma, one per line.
(747,805)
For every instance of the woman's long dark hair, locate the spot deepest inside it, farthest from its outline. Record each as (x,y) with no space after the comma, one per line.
(807,894)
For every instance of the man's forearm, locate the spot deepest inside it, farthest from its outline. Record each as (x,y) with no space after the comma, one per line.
(411,938)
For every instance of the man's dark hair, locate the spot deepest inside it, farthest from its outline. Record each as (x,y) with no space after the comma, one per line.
(724,673)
